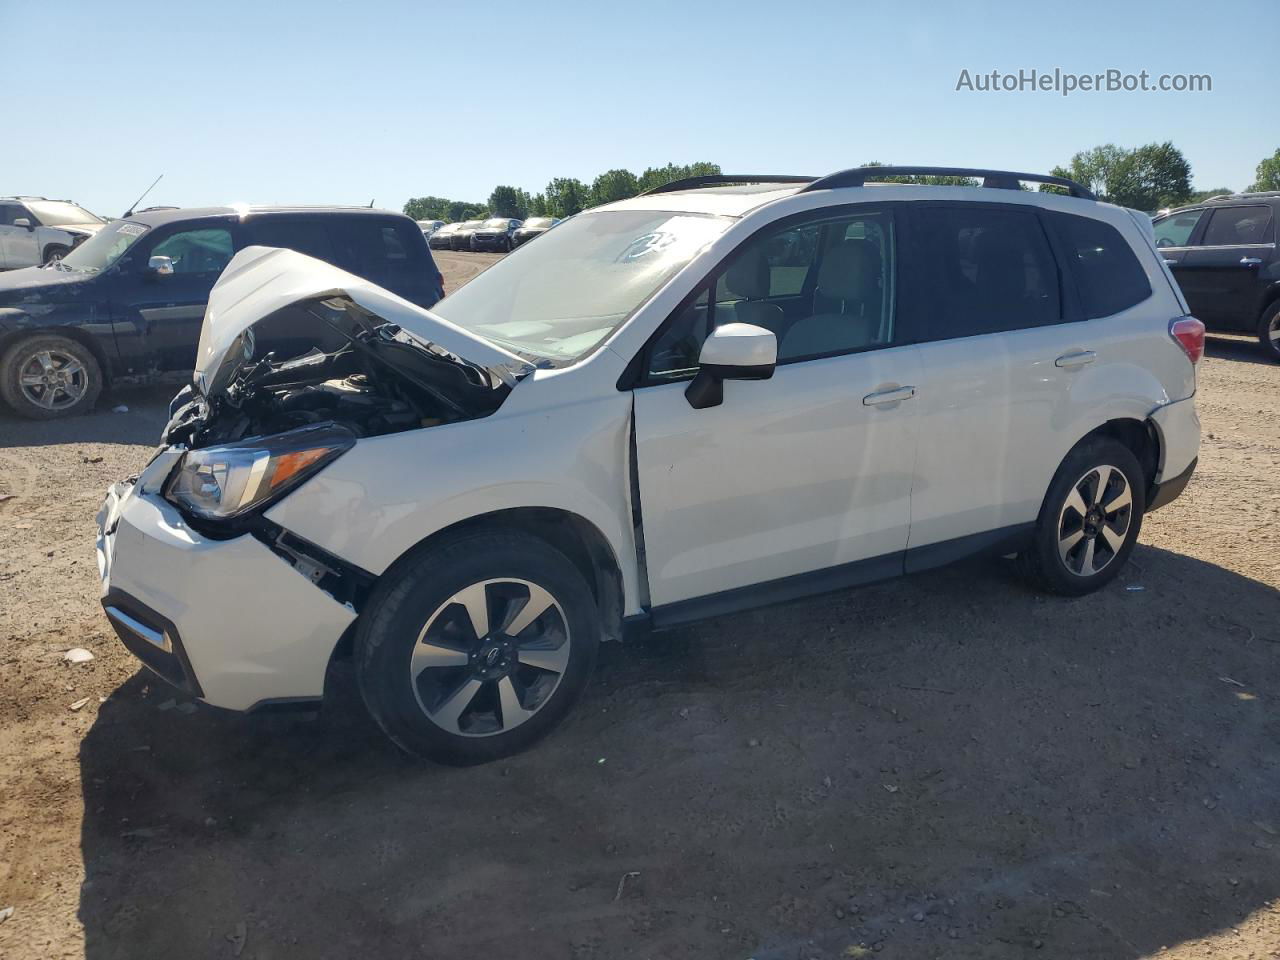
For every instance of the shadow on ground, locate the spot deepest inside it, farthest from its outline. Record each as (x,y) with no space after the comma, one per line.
(948,765)
(1242,349)
(144,416)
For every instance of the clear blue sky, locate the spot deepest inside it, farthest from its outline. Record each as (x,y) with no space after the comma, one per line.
(294,102)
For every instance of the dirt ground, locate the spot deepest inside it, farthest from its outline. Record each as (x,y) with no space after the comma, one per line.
(950,765)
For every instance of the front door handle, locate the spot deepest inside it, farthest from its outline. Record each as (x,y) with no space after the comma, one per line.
(1077,359)
(1250,262)
(888,396)
(1170,263)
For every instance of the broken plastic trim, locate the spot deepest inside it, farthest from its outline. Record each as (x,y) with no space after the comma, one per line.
(346,583)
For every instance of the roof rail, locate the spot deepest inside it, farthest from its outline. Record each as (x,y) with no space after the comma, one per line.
(718,180)
(1244,194)
(998,179)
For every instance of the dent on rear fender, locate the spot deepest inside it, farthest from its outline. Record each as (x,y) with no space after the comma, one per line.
(388,494)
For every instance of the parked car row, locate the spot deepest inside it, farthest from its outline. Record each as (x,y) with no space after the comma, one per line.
(502,234)
(131,298)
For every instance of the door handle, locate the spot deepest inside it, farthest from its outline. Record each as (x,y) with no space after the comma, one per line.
(1078,359)
(1250,262)
(1170,263)
(888,396)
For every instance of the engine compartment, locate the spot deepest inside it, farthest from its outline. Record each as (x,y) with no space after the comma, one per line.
(379,381)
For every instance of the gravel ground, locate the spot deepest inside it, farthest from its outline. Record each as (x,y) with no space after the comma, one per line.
(945,766)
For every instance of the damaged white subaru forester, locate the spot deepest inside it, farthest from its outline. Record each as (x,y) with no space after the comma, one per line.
(728,392)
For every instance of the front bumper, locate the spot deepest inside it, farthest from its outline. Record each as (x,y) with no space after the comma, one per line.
(228,621)
(496,243)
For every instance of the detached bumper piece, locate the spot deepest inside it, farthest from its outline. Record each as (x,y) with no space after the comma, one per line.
(152,639)
(1168,491)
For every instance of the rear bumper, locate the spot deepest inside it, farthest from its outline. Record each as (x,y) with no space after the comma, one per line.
(1169,490)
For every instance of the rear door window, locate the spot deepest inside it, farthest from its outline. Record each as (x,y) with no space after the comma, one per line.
(980,269)
(305,235)
(1237,226)
(385,253)
(1107,273)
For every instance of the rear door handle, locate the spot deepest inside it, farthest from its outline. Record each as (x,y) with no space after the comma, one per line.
(1250,262)
(888,396)
(1077,359)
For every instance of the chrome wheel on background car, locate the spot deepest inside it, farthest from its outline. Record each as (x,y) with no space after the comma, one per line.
(490,657)
(1269,332)
(472,648)
(1094,521)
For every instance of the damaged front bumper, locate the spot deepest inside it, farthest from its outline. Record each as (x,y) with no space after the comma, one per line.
(229,621)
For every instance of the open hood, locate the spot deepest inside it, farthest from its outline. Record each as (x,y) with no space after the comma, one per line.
(262,280)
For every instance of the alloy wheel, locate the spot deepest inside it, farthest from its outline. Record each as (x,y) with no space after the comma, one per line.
(52,379)
(1094,521)
(490,657)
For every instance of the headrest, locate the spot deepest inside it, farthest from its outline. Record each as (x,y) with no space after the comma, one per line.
(850,270)
(748,275)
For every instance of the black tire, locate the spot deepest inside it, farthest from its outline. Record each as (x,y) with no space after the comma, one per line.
(1269,332)
(418,595)
(54,250)
(77,396)
(1066,574)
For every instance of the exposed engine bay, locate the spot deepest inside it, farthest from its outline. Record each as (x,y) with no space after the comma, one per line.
(331,361)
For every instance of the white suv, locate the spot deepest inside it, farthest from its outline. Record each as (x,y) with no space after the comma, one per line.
(727,392)
(35,230)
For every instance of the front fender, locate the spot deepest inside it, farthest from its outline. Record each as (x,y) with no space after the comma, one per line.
(387,494)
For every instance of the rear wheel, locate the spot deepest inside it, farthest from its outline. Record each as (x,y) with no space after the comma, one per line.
(1090,519)
(45,377)
(477,648)
(55,251)
(1269,332)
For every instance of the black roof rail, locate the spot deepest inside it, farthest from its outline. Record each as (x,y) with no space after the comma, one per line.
(719,179)
(1244,195)
(998,179)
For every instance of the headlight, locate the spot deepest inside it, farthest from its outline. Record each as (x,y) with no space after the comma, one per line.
(227,481)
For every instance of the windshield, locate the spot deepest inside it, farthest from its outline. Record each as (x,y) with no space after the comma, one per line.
(105,247)
(538,222)
(54,213)
(565,294)
(497,222)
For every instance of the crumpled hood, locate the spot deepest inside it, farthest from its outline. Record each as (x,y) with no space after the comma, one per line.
(261,280)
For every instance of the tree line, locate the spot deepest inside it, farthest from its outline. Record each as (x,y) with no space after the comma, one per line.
(1148,177)
(562,197)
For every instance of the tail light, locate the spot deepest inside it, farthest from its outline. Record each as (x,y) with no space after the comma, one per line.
(1189,332)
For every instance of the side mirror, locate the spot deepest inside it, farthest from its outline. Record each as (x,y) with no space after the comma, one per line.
(735,351)
(161,266)
(23,222)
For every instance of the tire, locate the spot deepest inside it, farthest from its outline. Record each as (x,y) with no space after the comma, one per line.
(47,377)
(54,250)
(1269,332)
(446,689)
(1077,551)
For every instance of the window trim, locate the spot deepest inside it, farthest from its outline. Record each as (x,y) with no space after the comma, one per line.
(635,376)
(1070,304)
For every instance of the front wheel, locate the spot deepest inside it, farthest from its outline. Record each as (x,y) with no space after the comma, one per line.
(1090,519)
(45,377)
(55,251)
(477,648)
(1269,332)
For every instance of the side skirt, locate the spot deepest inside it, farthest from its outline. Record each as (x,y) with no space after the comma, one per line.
(859,573)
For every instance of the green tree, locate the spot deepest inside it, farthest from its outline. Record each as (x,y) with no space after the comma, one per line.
(427,208)
(538,205)
(1150,177)
(461,210)
(1267,176)
(613,185)
(509,202)
(567,196)
(657,176)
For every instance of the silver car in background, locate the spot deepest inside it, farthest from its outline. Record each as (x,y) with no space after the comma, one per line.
(35,230)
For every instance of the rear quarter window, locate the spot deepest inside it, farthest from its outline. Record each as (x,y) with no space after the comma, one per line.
(1108,275)
(301,234)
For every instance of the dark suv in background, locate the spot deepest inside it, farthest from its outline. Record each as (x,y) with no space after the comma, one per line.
(1223,254)
(131,299)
